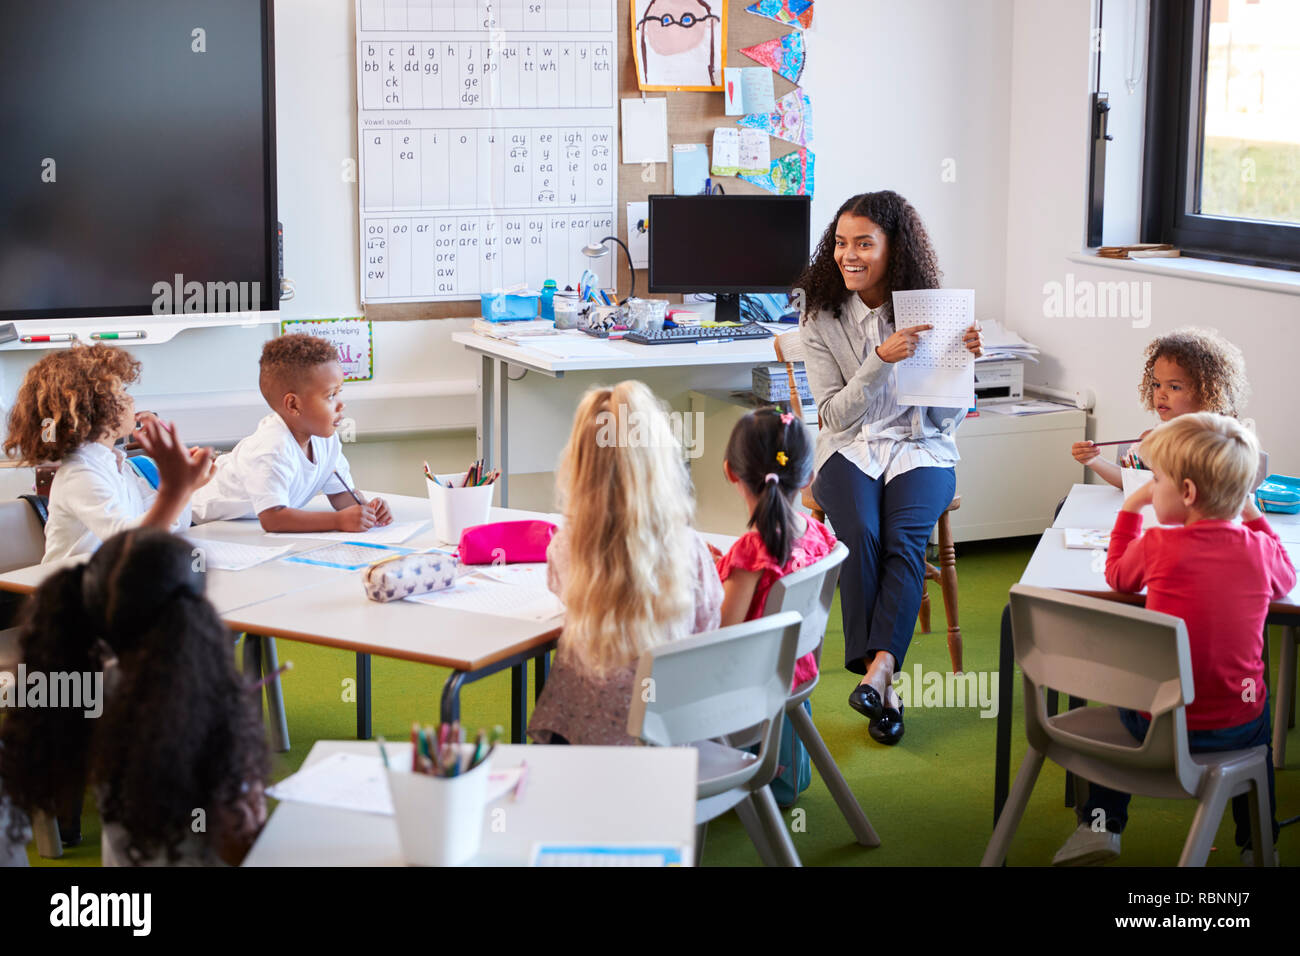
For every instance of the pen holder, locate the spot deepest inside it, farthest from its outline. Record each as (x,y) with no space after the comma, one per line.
(439,819)
(455,509)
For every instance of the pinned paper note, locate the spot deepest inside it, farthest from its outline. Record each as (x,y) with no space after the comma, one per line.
(791,13)
(789,175)
(638,234)
(791,120)
(740,151)
(784,54)
(675,45)
(645,130)
(690,168)
(748,89)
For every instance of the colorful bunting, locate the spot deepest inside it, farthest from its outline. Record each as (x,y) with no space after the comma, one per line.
(791,13)
(790,121)
(791,175)
(783,54)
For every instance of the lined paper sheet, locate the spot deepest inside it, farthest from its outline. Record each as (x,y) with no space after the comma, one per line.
(481,594)
(942,371)
(394,533)
(228,556)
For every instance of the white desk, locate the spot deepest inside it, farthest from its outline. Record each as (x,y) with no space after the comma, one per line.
(587,795)
(497,355)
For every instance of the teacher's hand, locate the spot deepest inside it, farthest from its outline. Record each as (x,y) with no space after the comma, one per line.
(901,345)
(973,341)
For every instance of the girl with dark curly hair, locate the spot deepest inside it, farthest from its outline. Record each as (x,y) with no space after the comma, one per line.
(73,408)
(1186,370)
(177,758)
(884,470)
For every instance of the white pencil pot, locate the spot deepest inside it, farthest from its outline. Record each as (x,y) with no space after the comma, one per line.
(439,819)
(455,509)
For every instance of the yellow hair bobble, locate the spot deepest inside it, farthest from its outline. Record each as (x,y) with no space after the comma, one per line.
(781,458)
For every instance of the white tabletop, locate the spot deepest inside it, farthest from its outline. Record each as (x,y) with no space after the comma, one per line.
(1053,565)
(584,795)
(625,355)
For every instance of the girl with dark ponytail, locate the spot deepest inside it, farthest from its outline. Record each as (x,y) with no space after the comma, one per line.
(178,733)
(769,459)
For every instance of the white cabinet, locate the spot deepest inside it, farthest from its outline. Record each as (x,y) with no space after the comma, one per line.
(1013,470)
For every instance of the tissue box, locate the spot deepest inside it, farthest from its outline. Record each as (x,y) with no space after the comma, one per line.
(508,306)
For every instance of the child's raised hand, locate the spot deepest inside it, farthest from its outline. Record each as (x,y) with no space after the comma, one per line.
(379,508)
(1249,511)
(180,469)
(1084,451)
(356,518)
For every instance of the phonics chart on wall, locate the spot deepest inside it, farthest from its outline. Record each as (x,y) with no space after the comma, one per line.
(487,144)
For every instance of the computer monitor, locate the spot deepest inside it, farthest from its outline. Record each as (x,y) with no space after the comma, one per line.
(728,245)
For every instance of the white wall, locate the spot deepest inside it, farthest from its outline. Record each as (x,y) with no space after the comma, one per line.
(897,89)
(1045,224)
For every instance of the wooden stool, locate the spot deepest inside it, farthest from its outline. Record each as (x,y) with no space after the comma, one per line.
(946,575)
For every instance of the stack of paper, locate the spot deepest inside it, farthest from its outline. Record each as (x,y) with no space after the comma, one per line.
(515,328)
(1001,343)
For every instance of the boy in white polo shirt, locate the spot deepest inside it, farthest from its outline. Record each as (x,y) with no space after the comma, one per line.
(295,454)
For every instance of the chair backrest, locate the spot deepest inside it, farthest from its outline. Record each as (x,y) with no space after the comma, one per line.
(789,349)
(718,683)
(809,591)
(22,538)
(1110,653)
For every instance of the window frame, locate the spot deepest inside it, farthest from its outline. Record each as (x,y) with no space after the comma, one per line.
(1171,167)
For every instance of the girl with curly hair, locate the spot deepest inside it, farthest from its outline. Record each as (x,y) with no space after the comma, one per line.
(179,732)
(73,408)
(1187,370)
(885,471)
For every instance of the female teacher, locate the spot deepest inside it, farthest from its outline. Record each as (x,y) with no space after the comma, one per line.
(884,471)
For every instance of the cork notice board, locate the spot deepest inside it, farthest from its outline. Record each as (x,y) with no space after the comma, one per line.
(692,118)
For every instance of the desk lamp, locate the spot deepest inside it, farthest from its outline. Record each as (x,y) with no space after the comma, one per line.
(596,250)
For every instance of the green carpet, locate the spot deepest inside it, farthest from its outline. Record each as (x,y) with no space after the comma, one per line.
(930,798)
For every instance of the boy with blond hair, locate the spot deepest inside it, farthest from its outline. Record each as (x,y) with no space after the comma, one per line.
(1219,576)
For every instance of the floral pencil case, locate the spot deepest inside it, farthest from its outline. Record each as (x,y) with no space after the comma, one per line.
(406,574)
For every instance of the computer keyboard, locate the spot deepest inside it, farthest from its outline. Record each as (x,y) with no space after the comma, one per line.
(695,333)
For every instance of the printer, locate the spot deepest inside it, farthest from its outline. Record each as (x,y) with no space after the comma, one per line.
(999,380)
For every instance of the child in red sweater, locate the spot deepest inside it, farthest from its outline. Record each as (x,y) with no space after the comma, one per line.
(1219,577)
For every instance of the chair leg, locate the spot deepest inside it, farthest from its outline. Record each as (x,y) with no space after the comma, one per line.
(925,608)
(948,574)
(701,831)
(779,837)
(758,834)
(1261,834)
(834,780)
(996,852)
(1209,813)
(45,828)
(1283,716)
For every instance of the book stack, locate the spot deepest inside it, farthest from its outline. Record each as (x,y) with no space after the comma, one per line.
(772,383)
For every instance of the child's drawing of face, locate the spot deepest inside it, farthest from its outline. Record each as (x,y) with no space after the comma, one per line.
(675,27)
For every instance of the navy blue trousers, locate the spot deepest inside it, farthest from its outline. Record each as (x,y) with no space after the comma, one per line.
(885,527)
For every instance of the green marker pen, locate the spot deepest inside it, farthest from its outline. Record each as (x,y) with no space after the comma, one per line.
(114,336)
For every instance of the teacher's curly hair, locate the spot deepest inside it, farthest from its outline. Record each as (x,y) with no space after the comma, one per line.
(178,733)
(912,260)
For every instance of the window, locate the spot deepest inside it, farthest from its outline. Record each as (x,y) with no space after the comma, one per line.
(1221,171)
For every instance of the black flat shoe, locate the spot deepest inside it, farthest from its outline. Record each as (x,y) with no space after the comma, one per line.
(865,699)
(888,729)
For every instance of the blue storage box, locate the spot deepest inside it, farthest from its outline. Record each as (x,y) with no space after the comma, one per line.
(1279,494)
(508,306)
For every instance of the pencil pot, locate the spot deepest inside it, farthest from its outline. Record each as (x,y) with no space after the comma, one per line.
(439,819)
(455,509)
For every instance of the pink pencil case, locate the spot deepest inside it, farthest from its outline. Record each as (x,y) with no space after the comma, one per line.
(506,542)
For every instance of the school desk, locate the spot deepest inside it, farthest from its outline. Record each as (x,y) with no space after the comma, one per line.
(1053,565)
(575,795)
(497,355)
